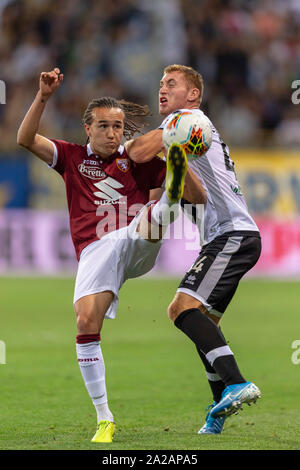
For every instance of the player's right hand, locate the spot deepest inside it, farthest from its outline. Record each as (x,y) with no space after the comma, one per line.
(50,81)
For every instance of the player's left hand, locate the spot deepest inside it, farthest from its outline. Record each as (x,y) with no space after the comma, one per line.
(50,81)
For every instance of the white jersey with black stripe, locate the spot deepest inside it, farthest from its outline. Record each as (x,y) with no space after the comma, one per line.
(226,209)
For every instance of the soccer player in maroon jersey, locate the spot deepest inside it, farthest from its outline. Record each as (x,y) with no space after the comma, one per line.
(111,223)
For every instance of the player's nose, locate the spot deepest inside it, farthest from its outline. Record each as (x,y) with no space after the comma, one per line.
(162,89)
(110,132)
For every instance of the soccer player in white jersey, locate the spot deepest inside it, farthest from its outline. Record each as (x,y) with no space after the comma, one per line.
(231,247)
(108,194)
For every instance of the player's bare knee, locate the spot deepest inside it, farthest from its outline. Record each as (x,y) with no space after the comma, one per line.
(85,321)
(148,231)
(174,310)
(180,304)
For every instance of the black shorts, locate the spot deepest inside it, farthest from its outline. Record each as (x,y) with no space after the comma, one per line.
(221,264)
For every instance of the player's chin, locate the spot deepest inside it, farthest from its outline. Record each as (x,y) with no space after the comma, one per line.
(163,110)
(111,147)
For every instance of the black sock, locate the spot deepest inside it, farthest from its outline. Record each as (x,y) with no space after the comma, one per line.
(217,385)
(208,338)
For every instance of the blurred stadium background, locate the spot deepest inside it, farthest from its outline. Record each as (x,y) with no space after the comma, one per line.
(249,54)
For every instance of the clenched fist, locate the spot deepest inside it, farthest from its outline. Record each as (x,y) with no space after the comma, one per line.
(49,82)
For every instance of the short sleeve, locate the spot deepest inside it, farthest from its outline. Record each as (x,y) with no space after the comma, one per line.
(167,118)
(59,157)
(164,122)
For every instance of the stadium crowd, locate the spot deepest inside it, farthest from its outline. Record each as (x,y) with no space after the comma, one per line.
(248,52)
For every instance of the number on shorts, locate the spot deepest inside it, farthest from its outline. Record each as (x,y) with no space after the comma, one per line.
(197,267)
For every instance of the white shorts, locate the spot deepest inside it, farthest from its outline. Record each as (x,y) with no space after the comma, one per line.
(107,263)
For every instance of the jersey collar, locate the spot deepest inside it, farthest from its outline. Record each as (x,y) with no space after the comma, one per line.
(90,152)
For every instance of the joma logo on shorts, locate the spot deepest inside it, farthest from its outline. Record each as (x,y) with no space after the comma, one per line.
(91,172)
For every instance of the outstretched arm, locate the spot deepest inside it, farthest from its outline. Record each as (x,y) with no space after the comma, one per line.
(27,134)
(144,148)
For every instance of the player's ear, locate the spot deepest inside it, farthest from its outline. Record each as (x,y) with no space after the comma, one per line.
(87,130)
(194,94)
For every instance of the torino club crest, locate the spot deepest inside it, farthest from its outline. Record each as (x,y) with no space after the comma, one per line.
(123,164)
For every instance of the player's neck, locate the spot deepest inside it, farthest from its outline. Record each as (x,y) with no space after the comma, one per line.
(100,153)
(187,106)
(193,106)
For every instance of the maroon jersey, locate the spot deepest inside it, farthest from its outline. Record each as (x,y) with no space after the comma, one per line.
(103,194)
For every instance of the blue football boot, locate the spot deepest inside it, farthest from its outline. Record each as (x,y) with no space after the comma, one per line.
(233,397)
(212,425)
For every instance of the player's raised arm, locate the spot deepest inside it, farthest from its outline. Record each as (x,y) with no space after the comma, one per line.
(144,148)
(27,134)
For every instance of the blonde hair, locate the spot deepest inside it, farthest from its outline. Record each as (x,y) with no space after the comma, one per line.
(193,77)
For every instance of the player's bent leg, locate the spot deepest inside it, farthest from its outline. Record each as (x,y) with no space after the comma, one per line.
(177,166)
(153,225)
(183,302)
(90,311)
(208,338)
(148,231)
(167,208)
(212,344)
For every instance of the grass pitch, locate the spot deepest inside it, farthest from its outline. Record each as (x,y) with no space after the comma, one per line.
(156,383)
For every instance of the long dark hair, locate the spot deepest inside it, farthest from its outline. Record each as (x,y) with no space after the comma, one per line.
(132,112)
